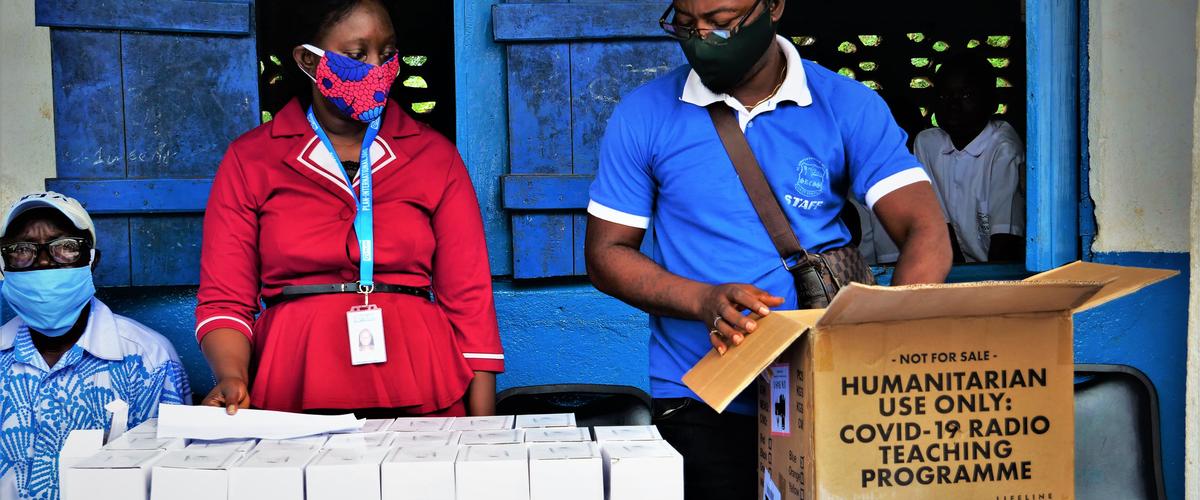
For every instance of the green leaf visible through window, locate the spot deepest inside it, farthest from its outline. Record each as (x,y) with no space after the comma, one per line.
(846,72)
(920,62)
(415,82)
(423,107)
(266,116)
(870,40)
(847,48)
(415,61)
(868,66)
(998,62)
(873,85)
(972,44)
(940,46)
(1001,83)
(916,37)
(803,41)
(999,41)
(920,82)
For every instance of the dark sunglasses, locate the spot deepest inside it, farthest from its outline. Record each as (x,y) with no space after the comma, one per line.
(683,33)
(64,251)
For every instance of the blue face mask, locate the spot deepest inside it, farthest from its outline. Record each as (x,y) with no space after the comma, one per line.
(49,300)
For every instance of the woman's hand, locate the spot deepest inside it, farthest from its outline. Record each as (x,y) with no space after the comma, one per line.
(232,393)
(481,395)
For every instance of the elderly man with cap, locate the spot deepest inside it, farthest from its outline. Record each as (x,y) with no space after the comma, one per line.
(66,355)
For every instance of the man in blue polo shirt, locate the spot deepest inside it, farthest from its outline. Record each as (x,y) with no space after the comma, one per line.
(818,136)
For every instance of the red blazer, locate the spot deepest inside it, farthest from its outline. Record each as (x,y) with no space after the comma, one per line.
(281,214)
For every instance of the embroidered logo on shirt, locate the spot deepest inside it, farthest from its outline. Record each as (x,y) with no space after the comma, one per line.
(811,177)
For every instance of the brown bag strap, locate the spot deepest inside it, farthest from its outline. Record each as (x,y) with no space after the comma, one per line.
(755,183)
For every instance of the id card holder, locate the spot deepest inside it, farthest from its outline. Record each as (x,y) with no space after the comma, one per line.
(365,328)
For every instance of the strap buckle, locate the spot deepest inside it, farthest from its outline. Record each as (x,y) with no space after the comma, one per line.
(793,262)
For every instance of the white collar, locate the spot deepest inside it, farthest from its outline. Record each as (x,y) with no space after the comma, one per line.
(100,337)
(794,88)
(978,144)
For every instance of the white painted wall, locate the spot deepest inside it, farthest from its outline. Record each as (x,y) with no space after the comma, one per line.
(1142,60)
(1192,450)
(26,103)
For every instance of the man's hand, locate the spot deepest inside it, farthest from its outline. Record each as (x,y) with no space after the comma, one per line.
(723,306)
(231,393)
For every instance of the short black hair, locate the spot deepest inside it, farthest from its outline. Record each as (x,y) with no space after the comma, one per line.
(973,67)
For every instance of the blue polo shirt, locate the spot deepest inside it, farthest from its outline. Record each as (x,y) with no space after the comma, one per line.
(820,137)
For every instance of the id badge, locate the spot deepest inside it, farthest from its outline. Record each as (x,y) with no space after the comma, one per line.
(365,328)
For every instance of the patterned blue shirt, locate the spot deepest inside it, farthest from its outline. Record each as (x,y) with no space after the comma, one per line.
(116,358)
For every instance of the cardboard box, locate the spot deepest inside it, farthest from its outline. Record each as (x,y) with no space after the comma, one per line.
(565,470)
(273,472)
(492,472)
(642,470)
(240,445)
(194,474)
(626,433)
(495,423)
(80,444)
(345,473)
(130,441)
(419,472)
(545,420)
(558,435)
(510,436)
(149,426)
(947,391)
(431,424)
(440,438)
(360,440)
(310,442)
(113,475)
(377,424)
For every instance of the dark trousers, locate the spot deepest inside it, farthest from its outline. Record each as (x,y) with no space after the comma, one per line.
(720,451)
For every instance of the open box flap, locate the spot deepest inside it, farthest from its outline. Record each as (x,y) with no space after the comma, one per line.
(858,303)
(1119,280)
(719,379)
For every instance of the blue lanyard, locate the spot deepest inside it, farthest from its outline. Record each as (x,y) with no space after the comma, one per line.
(364,219)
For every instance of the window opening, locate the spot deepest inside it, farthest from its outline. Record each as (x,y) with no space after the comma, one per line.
(897,50)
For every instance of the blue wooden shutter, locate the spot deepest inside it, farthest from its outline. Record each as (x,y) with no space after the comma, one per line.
(148,94)
(568,66)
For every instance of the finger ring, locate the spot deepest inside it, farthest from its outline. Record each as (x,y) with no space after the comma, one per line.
(716,321)
(714,332)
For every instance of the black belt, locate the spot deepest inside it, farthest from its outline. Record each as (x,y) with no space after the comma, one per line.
(293,292)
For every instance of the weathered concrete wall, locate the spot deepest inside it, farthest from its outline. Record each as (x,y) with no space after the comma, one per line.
(26,104)
(1142,60)
(1192,466)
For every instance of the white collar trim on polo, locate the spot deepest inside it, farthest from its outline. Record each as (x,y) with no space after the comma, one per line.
(978,144)
(794,88)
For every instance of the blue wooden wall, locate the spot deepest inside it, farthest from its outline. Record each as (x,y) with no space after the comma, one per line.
(149,93)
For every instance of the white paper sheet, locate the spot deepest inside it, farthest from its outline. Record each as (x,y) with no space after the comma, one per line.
(206,422)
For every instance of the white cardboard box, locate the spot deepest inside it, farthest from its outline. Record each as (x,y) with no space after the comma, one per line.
(345,473)
(310,442)
(510,436)
(113,475)
(80,444)
(565,470)
(438,438)
(642,470)
(377,424)
(275,473)
(150,426)
(429,424)
(361,440)
(627,433)
(558,435)
(494,423)
(545,420)
(129,441)
(240,445)
(492,472)
(194,474)
(419,472)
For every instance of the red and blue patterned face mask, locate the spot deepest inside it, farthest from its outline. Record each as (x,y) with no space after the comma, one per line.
(358,89)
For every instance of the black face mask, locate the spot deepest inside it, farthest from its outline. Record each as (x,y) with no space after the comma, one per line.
(723,63)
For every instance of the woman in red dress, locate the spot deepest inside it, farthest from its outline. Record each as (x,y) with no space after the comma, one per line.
(281,226)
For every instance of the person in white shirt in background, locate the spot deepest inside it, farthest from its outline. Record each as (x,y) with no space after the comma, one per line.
(977,163)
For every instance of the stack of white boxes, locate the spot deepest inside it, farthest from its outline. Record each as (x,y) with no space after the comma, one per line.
(529,457)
